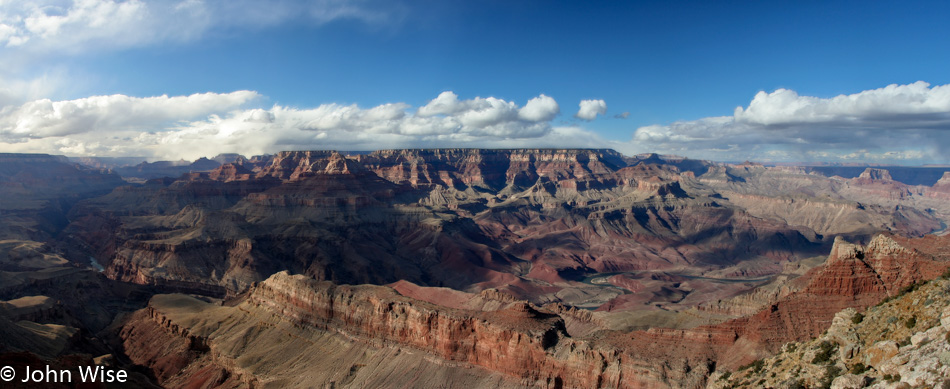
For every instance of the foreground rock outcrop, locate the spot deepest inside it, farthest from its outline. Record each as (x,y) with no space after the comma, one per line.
(185,340)
(901,342)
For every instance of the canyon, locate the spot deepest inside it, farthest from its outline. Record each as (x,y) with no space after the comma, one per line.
(488,268)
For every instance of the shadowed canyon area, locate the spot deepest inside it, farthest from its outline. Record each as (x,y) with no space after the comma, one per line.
(552,268)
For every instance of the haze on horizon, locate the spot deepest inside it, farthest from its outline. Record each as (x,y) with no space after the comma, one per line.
(168,79)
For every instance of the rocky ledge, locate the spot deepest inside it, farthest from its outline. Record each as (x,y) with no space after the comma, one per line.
(179,338)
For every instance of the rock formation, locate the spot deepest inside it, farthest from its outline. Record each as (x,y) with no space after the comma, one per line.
(175,337)
(526,344)
(901,342)
(941,189)
(507,268)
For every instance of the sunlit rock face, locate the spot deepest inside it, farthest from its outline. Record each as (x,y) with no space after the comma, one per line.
(492,338)
(473,219)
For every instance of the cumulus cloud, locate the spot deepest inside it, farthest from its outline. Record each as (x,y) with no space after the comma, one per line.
(917,102)
(483,112)
(447,103)
(46,118)
(901,123)
(541,108)
(589,109)
(81,25)
(194,126)
(623,115)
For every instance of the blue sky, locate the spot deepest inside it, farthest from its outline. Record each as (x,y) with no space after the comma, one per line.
(86,77)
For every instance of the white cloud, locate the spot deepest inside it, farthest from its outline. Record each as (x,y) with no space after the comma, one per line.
(541,108)
(589,109)
(447,103)
(895,105)
(487,112)
(36,25)
(83,25)
(199,125)
(901,123)
(46,118)
(484,112)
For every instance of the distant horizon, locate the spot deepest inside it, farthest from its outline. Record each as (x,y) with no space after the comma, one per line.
(359,152)
(131,168)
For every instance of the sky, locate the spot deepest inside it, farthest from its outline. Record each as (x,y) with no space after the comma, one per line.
(802,81)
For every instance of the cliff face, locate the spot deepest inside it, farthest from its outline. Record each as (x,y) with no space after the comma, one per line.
(297,165)
(527,346)
(167,348)
(514,340)
(491,168)
(941,189)
(871,175)
(880,183)
(532,222)
(853,277)
(897,343)
(833,217)
(230,172)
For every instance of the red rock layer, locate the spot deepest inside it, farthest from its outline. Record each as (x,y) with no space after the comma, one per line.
(230,172)
(296,165)
(879,183)
(853,277)
(166,348)
(492,168)
(531,344)
(404,214)
(524,342)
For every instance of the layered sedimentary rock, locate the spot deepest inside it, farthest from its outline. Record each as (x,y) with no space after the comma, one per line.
(853,276)
(526,344)
(296,213)
(830,206)
(297,165)
(910,175)
(491,256)
(490,168)
(897,343)
(532,222)
(230,172)
(880,183)
(940,189)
